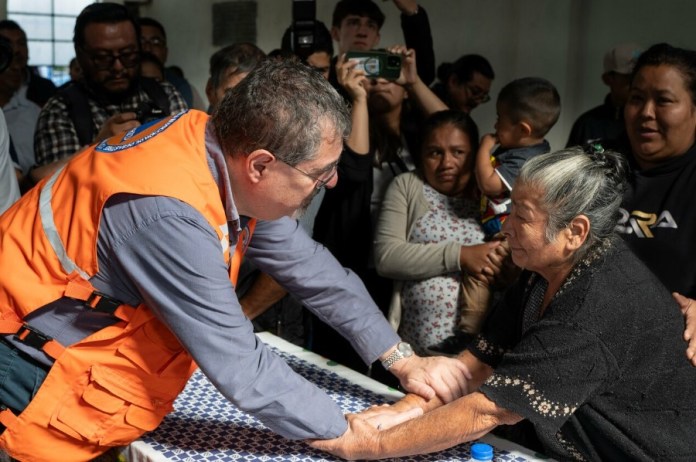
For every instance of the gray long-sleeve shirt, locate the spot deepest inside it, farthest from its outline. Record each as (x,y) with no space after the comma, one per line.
(162,252)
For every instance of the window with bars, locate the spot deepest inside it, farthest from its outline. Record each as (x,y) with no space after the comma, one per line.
(49,26)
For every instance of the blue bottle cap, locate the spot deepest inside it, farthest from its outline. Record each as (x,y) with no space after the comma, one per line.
(481,451)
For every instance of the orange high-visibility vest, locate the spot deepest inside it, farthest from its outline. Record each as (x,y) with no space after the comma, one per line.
(111,387)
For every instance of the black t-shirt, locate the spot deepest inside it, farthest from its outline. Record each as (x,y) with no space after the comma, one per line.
(659,221)
(602,122)
(602,375)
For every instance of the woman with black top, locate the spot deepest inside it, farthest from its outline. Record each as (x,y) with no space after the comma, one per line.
(657,214)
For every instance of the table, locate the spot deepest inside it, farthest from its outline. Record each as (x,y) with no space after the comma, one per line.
(206,427)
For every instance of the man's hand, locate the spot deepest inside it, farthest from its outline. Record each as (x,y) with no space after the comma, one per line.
(118,123)
(360,441)
(438,376)
(688,309)
(408,7)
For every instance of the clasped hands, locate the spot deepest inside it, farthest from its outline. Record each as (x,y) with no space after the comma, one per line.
(362,438)
(432,380)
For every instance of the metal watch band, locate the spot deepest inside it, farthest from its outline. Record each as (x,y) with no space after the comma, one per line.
(393,357)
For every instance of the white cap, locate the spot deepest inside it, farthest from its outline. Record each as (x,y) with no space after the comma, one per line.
(622,58)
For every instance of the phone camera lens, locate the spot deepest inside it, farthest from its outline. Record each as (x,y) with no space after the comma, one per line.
(394,61)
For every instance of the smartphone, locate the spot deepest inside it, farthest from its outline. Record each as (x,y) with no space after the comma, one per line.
(377,63)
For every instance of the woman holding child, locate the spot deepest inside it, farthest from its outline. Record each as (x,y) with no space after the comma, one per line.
(585,346)
(428,234)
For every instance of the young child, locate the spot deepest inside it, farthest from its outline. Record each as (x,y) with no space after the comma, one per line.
(527,109)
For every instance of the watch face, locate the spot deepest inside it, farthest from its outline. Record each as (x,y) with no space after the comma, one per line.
(405,349)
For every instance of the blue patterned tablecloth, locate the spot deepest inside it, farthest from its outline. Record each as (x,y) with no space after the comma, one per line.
(207,427)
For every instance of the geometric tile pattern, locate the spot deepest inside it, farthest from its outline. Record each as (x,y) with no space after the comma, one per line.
(206,427)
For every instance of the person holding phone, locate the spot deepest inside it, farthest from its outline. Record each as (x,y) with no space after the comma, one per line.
(382,145)
(355,26)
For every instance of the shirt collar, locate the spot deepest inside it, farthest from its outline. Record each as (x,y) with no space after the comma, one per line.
(218,167)
(18,100)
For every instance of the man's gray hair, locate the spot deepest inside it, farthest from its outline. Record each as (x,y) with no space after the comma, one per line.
(284,107)
(578,182)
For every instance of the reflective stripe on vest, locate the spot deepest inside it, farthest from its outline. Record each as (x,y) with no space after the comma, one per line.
(49,227)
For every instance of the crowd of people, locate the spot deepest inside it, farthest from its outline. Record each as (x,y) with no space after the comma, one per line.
(546,296)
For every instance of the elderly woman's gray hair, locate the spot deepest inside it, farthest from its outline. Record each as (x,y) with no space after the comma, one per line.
(578,182)
(282,106)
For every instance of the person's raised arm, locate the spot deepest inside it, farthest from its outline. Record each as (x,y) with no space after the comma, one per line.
(488,180)
(417,90)
(407,7)
(351,79)
(418,36)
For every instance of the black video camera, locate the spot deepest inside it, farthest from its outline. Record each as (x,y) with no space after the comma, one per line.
(148,111)
(6,53)
(303,29)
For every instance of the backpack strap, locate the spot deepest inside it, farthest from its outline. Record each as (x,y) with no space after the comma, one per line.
(75,99)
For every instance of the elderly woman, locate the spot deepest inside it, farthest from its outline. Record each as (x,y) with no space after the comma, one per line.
(657,216)
(586,346)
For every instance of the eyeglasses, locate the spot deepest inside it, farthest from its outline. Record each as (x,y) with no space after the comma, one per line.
(104,61)
(320,181)
(479,95)
(154,41)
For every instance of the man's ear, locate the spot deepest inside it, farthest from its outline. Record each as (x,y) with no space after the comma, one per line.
(577,231)
(209,91)
(607,78)
(257,163)
(335,33)
(452,81)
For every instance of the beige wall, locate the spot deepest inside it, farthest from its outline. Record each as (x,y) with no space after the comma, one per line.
(561,40)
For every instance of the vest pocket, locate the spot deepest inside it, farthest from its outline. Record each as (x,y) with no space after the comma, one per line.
(153,348)
(107,411)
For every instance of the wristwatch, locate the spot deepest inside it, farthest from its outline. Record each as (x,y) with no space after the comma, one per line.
(403,350)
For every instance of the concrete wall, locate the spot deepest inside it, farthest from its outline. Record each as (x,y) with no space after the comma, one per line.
(561,40)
